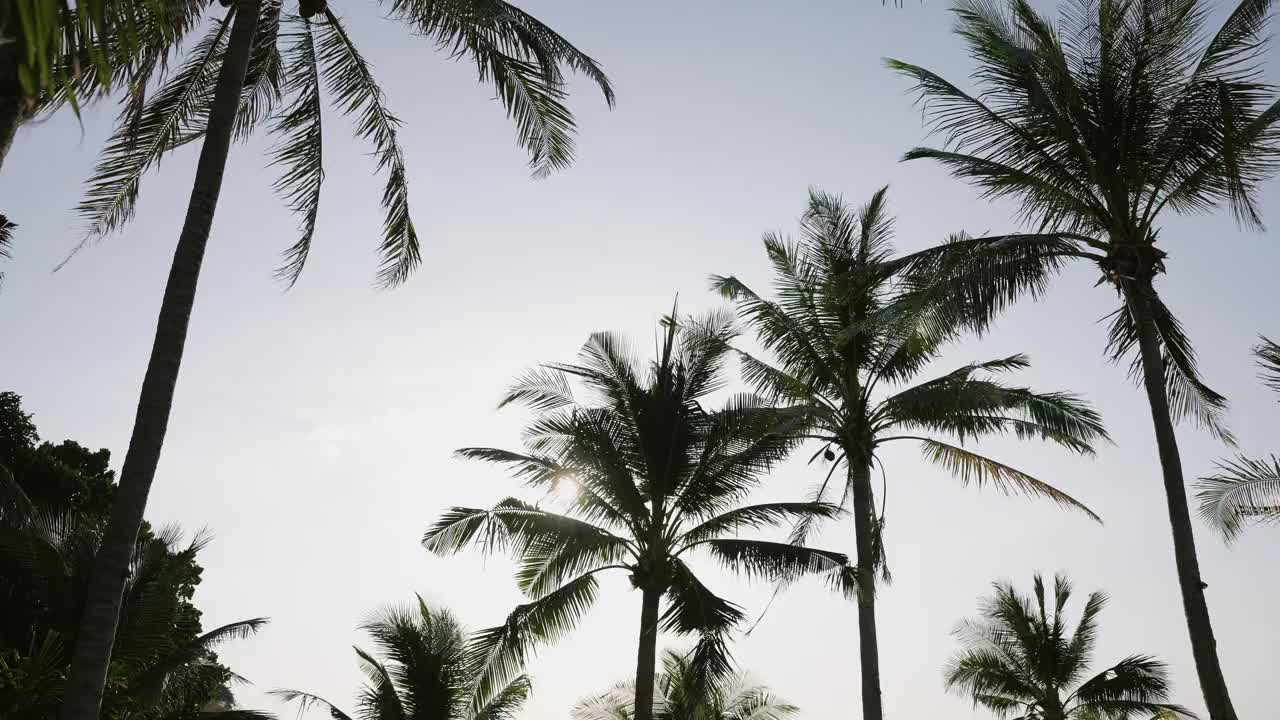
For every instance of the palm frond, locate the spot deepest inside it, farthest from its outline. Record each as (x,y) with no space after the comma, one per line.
(508,703)
(1243,490)
(498,655)
(6,241)
(785,563)
(135,147)
(972,467)
(306,701)
(521,58)
(350,81)
(1268,353)
(300,150)
(757,516)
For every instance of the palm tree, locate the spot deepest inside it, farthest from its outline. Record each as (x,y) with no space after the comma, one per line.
(519,56)
(1095,126)
(1022,660)
(850,336)
(6,241)
(1245,489)
(683,695)
(419,671)
(658,476)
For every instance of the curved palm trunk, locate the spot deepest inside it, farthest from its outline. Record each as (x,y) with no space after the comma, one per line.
(83,695)
(647,655)
(868,643)
(1203,646)
(12,103)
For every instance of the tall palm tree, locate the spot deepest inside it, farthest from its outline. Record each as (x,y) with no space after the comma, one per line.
(420,670)
(681,694)
(1245,489)
(658,477)
(1020,659)
(851,337)
(1096,126)
(522,58)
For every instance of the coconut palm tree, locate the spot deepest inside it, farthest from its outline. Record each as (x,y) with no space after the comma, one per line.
(1245,489)
(682,694)
(658,478)
(419,670)
(1021,659)
(522,58)
(1096,126)
(851,338)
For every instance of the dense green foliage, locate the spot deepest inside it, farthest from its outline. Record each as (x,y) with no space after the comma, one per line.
(420,670)
(1022,660)
(56,501)
(683,694)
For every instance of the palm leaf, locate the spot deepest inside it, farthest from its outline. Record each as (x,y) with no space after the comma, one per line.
(972,467)
(350,81)
(1242,490)
(300,151)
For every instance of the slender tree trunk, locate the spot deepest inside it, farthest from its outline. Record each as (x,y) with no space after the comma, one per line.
(13,106)
(868,643)
(647,655)
(83,695)
(1203,647)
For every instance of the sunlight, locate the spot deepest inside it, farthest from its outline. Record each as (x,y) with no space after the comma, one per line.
(567,489)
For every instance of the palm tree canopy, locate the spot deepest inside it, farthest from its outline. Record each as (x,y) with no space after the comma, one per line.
(852,334)
(1095,125)
(303,57)
(419,670)
(1023,659)
(1245,489)
(657,476)
(681,694)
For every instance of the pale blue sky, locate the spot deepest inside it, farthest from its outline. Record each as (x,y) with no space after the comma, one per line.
(312,430)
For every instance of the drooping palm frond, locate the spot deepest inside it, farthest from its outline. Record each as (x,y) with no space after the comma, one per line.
(521,58)
(350,81)
(1243,490)
(300,151)
(1268,353)
(307,701)
(970,467)
(6,241)
(137,145)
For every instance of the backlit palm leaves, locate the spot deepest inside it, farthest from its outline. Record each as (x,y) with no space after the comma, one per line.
(851,336)
(682,694)
(418,671)
(658,477)
(1022,659)
(1094,126)
(1245,489)
(301,63)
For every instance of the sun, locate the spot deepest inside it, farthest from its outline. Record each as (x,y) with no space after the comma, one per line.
(567,489)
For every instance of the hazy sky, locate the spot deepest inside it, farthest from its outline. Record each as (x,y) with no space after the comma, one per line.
(313,429)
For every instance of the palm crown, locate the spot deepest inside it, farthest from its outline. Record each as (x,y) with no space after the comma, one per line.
(303,55)
(682,694)
(851,335)
(1245,489)
(1095,126)
(1021,659)
(658,476)
(419,671)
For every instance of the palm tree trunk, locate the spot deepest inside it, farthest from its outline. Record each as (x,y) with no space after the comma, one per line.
(83,695)
(868,643)
(13,106)
(647,656)
(1203,647)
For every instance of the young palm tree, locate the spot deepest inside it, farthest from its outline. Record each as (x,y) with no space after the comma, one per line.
(522,58)
(683,695)
(658,476)
(1245,489)
(851,337)
(1096,126)
(419,671)
(1022,660)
